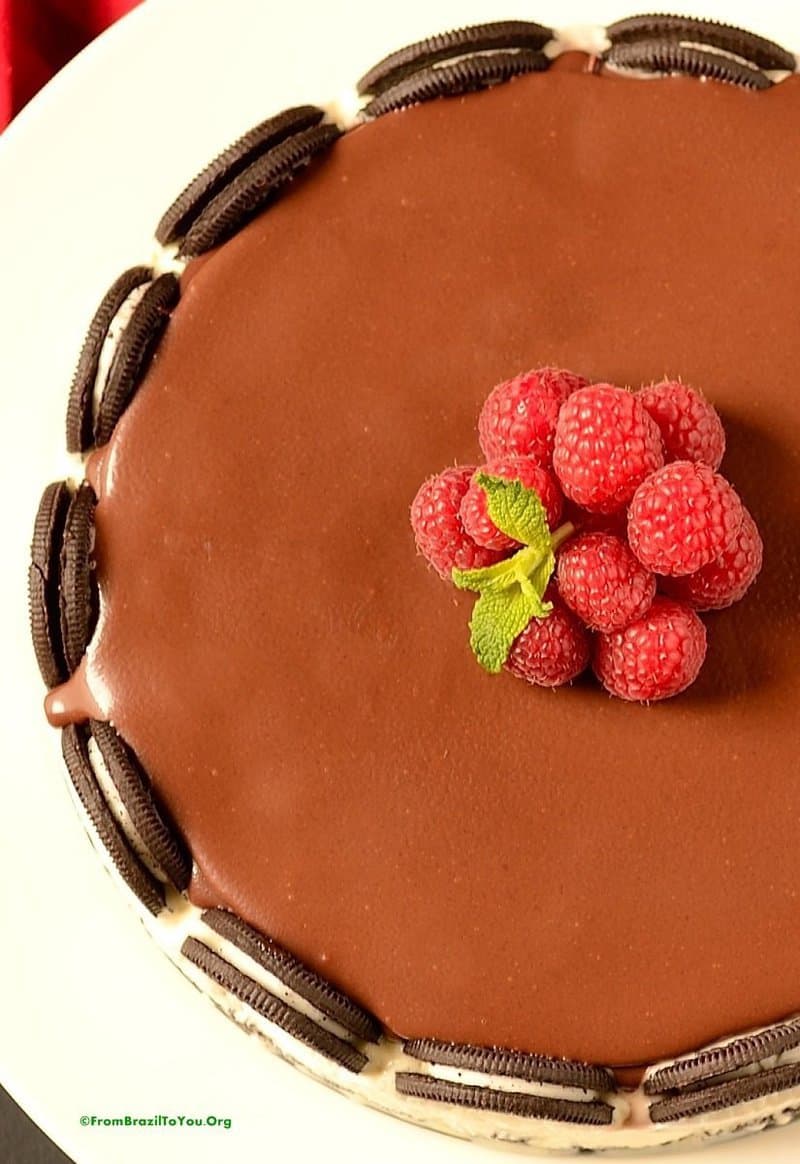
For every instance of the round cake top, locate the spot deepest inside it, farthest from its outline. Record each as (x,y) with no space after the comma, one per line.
(471,859)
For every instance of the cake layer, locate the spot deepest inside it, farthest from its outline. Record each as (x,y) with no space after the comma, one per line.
(470,858)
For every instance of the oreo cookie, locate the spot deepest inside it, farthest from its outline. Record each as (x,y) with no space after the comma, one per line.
(516,1103)
(514,1064)
(79,421)
(250,992)
(718,1096)
(762,53)
(74,745)
(77,593)
(461,42)
(159,837)
(706,1065)
(669,57)
(254,188)
(44,578)
(229,163)
(134,351)
(294,974)
(463,76)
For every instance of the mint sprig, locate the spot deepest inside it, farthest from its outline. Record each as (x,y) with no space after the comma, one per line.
(511,592)
(515,510)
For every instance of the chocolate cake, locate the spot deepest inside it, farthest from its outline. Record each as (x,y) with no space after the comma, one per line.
(549,917)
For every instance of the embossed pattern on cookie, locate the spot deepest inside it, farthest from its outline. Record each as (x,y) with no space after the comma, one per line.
(669,58)
(460,42)
(291,971)
(159,837)
(80,417)
(452,80)
(759,51)
(134,352)
(273,1009)
(515,1064)
(44,576)
(254,188)
(542,1107)
(77,596)
(715,1061)
(224,168)
(729,1093)
(74,745)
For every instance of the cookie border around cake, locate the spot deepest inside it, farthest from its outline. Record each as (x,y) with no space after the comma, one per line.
(739,1084)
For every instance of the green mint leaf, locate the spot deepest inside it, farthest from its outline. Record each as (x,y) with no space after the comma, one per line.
(537,580)
(516,510)
(497,619)
(498,577)
(511,592)
(529,567)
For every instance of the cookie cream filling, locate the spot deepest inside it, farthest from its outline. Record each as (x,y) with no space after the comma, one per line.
(111,343)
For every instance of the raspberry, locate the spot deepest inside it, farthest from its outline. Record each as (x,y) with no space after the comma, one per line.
(654,657)
(726,579)
(603,583)
(682,517)
(519,416)
(606,444)
(439,533)
(690,427)
(474,512)
(550,651)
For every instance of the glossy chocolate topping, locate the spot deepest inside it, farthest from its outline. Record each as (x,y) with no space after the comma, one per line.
(470,858)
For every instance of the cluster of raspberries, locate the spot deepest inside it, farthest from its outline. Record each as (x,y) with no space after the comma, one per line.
(651,533)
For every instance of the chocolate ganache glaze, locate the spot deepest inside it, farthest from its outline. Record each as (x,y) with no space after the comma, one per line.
(469,857)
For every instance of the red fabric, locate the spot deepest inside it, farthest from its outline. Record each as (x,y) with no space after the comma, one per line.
(38,37)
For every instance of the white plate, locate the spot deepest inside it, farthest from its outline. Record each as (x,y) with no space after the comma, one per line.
(93,1018)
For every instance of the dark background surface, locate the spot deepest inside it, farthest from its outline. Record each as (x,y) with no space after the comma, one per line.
(38,37)
(21,1142)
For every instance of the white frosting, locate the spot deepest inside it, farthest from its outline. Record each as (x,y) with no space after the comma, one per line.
(579,38)
(345,109)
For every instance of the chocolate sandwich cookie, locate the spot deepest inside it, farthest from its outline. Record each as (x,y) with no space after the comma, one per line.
(460,42)
(77,592)
(231,162)
(718,1096)
(74,745)
(44,576)
(515,1064)
(669,57)
(273,1009)
(292,973)
(157,833)
(134,351)
(254,187)
(80,421)
(463,76)
(706,1065)
(759,51)
(517,1103)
